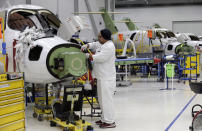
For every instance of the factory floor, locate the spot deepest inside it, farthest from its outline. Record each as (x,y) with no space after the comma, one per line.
(143,106)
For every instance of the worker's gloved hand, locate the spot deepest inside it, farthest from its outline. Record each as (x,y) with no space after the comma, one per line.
(87,55)
(84,47)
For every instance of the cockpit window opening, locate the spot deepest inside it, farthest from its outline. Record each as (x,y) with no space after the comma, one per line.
(164,34)
(50,18)
(194,38)
(158,34)
(170,34)
(132,36)
(19,20)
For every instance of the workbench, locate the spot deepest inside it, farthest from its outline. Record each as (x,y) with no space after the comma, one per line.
(126,62)
(131,61)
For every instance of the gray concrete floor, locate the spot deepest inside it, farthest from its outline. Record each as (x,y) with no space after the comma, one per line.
(142,107)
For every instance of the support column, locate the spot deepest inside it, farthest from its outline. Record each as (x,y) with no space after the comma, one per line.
(57,10)
(28,2)
(107,5)
(112,6)
(91,18)
(76,6)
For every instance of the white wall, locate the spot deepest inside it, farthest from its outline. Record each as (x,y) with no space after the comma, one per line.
(7,3)
(164,16)
(187,26)
(49,4)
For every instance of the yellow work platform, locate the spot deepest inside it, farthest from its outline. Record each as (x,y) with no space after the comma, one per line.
(192,61)
(85,101)
(80,125)
(12,106)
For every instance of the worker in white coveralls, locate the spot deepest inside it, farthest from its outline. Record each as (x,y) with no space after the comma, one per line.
(105,73)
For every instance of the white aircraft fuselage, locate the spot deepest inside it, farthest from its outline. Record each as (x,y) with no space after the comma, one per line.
(36,60)
(162,37)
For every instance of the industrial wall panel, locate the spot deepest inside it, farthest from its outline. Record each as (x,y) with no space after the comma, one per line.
(187,27)
(137,3)
(7,3)
(164,16)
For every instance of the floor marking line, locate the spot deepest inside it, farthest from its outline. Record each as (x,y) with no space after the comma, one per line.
(180,113)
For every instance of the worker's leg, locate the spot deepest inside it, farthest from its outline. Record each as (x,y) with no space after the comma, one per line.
(99,93)
(107,100)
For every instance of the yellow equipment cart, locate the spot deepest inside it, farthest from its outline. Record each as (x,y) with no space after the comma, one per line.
(12,105)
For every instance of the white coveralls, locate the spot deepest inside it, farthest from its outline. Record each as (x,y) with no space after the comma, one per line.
(105,72)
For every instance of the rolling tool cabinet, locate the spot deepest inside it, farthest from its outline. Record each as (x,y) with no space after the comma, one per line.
(12,105)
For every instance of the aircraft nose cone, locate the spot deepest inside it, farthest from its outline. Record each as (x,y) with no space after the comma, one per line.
(66,60)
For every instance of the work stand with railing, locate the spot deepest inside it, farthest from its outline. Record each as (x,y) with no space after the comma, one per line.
(181,67)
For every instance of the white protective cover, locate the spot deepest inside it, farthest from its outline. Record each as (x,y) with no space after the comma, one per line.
(73,25)
(183,38)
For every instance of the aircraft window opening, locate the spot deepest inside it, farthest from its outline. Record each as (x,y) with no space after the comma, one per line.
(36,21)
(194,38)
(158,34)
(167,34)
(50,19)
(53,21)
(170,47)
(34,53)
(163,34)
(170,34)
(20,20)
(132,36)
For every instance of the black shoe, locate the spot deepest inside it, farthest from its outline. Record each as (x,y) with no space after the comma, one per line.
(98,122)
(107,125)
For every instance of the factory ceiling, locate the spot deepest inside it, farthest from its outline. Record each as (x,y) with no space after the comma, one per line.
(147,3)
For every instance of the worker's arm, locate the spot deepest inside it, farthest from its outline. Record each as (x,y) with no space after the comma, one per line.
(103,55)
(93,45)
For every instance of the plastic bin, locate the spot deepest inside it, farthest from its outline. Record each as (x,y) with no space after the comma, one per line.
(170,70)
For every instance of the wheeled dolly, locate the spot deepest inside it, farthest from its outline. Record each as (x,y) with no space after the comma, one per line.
(79,125)
(42,104)
(64,112)
(39,112)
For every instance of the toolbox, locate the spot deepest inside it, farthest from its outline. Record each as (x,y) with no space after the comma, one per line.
(12,105)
